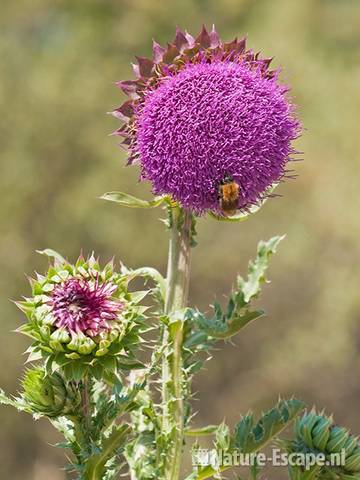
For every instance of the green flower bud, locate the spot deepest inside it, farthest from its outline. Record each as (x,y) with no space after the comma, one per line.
(82,317)
(317,433)
(47,394)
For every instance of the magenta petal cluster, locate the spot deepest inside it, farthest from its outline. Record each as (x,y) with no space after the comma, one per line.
(79,305)
(203,111)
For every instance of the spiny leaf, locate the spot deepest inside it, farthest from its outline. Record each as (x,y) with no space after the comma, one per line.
(238,217)
(17,402)
(95,467)
(222,327)
(226,323)
(256,276)
(250,438)
(4,399)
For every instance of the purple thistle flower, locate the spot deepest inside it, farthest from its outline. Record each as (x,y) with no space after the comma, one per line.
(82,306)
(203,112)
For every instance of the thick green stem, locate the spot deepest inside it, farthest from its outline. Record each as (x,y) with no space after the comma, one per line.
(86,412)
(178,277)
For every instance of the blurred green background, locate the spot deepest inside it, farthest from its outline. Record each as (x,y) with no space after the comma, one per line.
(59,62)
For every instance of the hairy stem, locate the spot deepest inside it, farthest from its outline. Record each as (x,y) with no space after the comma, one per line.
(86,413)
(178,277)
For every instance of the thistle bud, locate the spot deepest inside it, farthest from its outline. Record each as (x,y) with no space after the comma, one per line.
(47,394)
(81,317)
(318,434)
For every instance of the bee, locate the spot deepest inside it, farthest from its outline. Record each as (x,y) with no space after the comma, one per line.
(229,192)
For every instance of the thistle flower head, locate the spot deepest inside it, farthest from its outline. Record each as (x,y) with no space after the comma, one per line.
(203,112)
(82,316)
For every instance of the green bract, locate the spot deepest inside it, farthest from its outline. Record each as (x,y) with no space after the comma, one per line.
(75,348)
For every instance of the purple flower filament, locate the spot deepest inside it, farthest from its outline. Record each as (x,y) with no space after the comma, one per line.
(210,121)
(86,306)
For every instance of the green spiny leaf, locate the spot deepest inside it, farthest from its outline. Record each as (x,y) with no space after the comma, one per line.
(256,277)
(250,437)
(227,323)
(17,402)
(268,426)
(95,467)
(222,327)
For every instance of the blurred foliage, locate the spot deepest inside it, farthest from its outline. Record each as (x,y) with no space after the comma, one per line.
(59,62)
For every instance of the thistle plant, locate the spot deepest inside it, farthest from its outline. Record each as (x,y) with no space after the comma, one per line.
(212,128)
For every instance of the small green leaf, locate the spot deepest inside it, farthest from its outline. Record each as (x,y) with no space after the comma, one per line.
(109,363)
(238,217)
(201,432)
(194,367)
(75,371)
(33,356)
(223,438)
(154,275)
(127,200)
(131,365)
(4,399)
(138,296)
(195,339)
